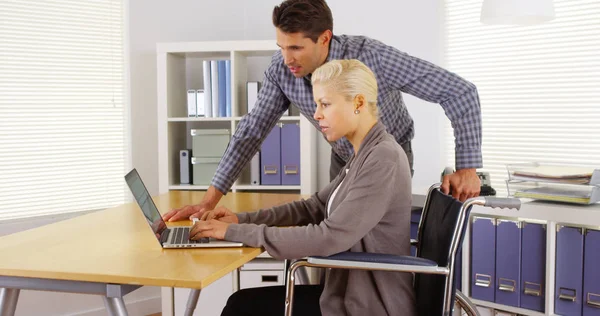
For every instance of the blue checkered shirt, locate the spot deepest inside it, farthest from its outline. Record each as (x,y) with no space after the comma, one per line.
(396,72)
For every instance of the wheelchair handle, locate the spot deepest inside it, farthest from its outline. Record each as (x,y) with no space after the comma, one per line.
(494,202)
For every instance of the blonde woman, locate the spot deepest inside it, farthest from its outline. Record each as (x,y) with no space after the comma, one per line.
(365,208)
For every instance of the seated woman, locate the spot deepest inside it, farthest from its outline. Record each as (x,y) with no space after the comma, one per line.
(365,209)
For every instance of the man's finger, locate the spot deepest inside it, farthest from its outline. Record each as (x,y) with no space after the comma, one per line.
(181,214)
(203,217)
(168,215)
(446,185)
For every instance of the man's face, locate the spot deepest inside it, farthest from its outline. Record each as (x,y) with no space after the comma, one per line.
(300,54)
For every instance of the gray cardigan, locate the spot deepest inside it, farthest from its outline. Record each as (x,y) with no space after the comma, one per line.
(370,213)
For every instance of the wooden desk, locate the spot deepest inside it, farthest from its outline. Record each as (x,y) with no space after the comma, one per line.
(113,252)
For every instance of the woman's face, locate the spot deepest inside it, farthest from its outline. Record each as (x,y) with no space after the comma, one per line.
(334,113)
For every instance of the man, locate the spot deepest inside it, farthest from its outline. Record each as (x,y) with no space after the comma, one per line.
(304,34)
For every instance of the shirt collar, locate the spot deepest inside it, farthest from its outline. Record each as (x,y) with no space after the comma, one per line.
(335,52)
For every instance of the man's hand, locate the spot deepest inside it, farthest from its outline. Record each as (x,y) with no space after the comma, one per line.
(186,212)
(209,201)
(463,184)
(222,214)
(212,228)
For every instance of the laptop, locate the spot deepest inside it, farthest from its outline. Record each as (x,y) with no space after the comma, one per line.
(176,237)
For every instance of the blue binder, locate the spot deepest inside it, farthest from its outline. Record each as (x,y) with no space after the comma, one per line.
(458,271)
(290,154)
(270,158)
(222,88)
(483,258)
(415,217)
(569,271)
(533,266)
(591,274)
(508,262)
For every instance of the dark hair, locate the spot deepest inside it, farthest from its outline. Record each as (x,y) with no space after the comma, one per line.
(311,17)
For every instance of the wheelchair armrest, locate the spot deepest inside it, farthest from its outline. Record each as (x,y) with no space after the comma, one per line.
(377,261)
(414,242)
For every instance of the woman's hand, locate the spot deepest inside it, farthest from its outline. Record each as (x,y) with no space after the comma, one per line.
(222,214)
(211,228)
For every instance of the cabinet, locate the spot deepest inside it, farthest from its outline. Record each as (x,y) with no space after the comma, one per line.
(553,216)
(179,69)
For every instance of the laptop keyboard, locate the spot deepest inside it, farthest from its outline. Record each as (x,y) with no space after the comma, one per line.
(182,236)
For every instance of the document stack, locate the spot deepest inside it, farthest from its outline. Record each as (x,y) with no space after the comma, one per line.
(577,185)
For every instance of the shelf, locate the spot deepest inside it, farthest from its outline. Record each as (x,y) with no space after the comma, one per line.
(283,118)
(506,308)
(222,119)
(237,187)
(267,187)
(199,119)
(188,187)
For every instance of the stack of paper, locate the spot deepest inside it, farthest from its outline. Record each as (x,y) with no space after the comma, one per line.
(575,175)
(555,183)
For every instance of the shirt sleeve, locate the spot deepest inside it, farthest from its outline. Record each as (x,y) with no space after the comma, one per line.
(251,131)
(297,213)
(457,96)
(365,204)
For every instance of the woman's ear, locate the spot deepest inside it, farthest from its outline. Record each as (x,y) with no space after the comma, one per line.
(359,102)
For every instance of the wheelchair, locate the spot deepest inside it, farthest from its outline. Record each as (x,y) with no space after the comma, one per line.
(440,235)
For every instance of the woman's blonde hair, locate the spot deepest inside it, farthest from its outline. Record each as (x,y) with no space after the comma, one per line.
(349,77)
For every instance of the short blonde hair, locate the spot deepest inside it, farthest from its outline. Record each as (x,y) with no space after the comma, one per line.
(349,77)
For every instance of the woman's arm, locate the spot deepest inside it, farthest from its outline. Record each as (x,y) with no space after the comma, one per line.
(297,213)
(369,197)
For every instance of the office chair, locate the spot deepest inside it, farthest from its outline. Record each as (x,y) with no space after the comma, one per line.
(440,235)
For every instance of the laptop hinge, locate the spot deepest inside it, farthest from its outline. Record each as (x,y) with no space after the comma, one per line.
(164,236)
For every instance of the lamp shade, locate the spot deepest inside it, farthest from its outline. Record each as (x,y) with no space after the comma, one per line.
(521,12)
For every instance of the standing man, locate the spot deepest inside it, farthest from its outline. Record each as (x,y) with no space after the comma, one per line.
(305,35)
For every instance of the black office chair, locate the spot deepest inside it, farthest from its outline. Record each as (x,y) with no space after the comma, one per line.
(440,235)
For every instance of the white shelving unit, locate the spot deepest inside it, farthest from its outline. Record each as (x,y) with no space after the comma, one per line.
(179,68)
(550,214)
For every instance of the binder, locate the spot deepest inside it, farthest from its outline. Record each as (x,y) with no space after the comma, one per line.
(200,112)
(483,258)
(591,274)
(214,78)
(252,88)
(270,158)
(415,217)
(191,103)
(290,154)
(207,88)
(533,266)
(255,169)
(228,111)
(458,271)
(222,88)
(569,270)
(508,262)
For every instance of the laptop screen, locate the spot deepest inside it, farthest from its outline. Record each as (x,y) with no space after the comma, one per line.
(141,195)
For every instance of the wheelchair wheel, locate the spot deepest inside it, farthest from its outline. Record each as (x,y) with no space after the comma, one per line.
(464,305)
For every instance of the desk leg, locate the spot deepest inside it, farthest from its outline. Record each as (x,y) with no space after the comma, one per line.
(8,301)
(115,306)
(192,302)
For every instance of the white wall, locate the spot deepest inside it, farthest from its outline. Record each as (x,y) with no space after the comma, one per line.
(411,26)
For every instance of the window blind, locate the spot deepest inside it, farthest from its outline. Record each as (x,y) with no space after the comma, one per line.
(62,109)
(539,85)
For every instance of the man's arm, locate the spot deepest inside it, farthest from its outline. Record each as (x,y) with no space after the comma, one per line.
(457,96)
(296,213)
(363,207)
(245,142)
(460,101)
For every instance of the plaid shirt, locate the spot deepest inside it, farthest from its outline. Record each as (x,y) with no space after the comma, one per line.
(395,71)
